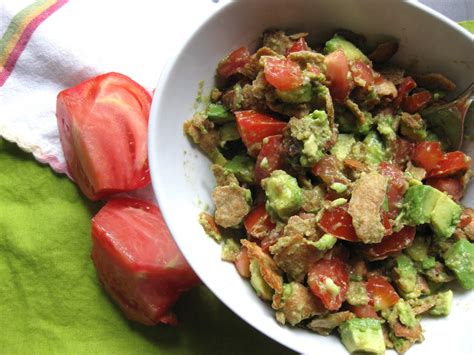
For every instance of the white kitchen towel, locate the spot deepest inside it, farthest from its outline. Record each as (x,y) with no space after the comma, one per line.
(50,45)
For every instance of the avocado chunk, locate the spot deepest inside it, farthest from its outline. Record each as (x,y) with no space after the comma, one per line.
(219,114)
(405,274)
(343,146)
(362,335)
(443,304)
(263,290)
(419,203)
(298,95)
(351,51)
(375,150)
(445,216)
(326,242)
(313,132)
(406,314)
(284,196)
(357,293)
(243,167)
(460,259)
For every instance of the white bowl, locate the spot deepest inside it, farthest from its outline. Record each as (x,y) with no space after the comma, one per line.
(180,173)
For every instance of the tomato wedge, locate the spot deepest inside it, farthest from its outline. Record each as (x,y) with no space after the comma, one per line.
(254,127)
(452,186)
(396,188)
(362,74)
(338,222)
(299,45)
(407,85)
(242,263)
(258,223)
(417,101)
(337,72)
(103,130)
(328,279)
(283,74)
(364,311)
(427,154)
(231,64)
(270,158)
(452,163)
(391,244)
(137,260)
(382,295)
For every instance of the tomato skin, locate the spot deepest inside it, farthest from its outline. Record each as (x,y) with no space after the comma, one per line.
(396,188)
(137,260)
(465,220)
(272,151)
(333,269)
(258,222)
(416,102)
(364,311)
(452,163)
(407,85)
(382,295)
(299,45)
(362,74)
(391,244)
(242,263)
(103,131)
(427,155)
(283,74)
(338,222)
(452,186)
(254,127)
(233,62)
(337,72)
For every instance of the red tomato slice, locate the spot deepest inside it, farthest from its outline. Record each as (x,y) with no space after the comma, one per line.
(452,186)
(103,130)
(254,127)
(329,272)
(452,163)
(396,188)
(258,222)
(242,263)
(465,220)
(364,311)
(337,72)
(386,223)
(403,152)
(407,85)
(391,244)
(416,102)
(283,74)
(381,293)
(270,158)
(137,260)
(233,62)
(299,45)
(362,74)
(427,154)
(338,222)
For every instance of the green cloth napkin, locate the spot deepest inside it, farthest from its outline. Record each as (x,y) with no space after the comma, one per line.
(50,299)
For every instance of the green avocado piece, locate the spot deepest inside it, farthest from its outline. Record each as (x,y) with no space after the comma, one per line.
(243,167)
(263,290)
(375,150)
(230,250)
(445,216)
(357,293)
(418,251)
(326,242)
(299,95)
(351,51)
(218,114)
(443,304)
(406,314)
(362,335)
(406,273)
(228,132)
(460,259)
(418,204)
(284,196)
(343,146)
(313,131)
